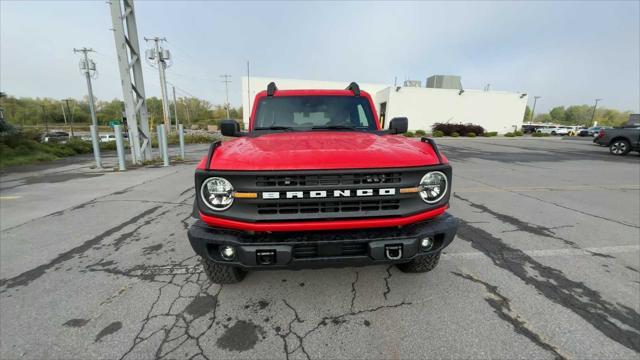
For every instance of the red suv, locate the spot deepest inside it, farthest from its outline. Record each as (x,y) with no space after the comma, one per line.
(315,182)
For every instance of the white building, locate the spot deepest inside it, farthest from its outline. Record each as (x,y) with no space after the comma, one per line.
(494,110)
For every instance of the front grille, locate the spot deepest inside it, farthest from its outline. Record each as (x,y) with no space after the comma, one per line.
(323,195)
(329,180)
(327,207)
(309,251)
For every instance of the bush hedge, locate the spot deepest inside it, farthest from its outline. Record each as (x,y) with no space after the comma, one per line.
(438,133)
(409,134)
(471,134)
(455,134)
(421,133)
(449,129)
(538,134)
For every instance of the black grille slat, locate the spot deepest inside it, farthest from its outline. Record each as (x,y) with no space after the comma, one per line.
(308,251)
(327,207)
(294,181)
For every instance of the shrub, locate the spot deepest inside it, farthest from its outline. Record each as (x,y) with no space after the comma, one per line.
(517,133)
(449,129)
(471,134)
(455,134)
(509,134)
(409,134)
(438,133)
(537,134)
(492,133)
(421,133)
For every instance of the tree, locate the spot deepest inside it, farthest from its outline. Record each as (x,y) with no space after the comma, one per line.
(527,114)
(558,114)
(542,118)
(578,115)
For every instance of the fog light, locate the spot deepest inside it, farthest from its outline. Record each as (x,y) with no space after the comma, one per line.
(426,243)
(227,252)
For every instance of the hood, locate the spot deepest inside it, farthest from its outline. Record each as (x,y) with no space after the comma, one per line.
(321,150)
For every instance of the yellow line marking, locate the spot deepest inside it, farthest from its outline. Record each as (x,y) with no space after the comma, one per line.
(9,197)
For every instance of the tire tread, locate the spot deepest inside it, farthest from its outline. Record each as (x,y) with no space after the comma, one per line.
(422,264)
(222,274)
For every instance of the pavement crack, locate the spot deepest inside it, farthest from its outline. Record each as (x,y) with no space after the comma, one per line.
(386,282)
(354,292)
(520,225)
(553,284)
(502,307)
(180,317)
(27,277)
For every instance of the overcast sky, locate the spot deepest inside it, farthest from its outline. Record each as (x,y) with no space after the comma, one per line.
(566,52)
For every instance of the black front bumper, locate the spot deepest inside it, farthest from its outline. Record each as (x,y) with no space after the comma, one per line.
(323,249)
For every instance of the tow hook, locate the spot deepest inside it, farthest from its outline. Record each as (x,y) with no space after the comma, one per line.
(393,252)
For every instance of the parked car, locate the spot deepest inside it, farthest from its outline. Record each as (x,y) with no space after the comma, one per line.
(107,137)
(584,132)
(620,140)
(59,137)
(553,130)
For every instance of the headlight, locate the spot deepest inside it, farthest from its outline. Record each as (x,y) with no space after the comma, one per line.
(217,193)
(433,186)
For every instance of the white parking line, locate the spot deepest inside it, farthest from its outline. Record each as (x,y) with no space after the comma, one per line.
(554,252)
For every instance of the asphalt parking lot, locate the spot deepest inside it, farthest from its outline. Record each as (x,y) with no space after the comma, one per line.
(546,264)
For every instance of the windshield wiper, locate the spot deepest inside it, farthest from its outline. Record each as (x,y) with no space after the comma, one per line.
(334,127)
(274,128)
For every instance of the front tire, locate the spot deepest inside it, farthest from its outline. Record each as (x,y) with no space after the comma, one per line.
(421,264)
(222,274)
(619,147)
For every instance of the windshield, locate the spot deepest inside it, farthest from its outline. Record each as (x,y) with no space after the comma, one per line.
(314,113)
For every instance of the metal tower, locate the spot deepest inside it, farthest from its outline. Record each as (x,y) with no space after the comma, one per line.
(125,33)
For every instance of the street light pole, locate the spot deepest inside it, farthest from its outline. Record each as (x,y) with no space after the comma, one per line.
(535,100)
(593,114)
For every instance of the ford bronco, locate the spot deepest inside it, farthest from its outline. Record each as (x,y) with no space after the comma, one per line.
(316,182)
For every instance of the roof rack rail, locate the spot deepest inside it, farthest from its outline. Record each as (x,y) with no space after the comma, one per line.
(271,88)
(434,146)
(355,88)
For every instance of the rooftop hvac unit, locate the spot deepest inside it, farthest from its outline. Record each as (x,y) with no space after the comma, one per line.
(412,83)
(444,82)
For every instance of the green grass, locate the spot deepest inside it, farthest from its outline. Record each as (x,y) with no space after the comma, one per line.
(24,148)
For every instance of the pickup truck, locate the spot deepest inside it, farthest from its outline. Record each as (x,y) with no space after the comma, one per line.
(315,182)
(619,140)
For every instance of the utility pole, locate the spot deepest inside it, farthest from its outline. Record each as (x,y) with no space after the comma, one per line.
(593,114)
(175,106)
(125,34)
(248,109)
(64,114)
(70,115)
(161,56)
(87,66)
(226,82)
(186,106)
(535,100)
(44,117)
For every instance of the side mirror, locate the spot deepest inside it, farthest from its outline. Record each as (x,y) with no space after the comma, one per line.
(230,128)
(399,125)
